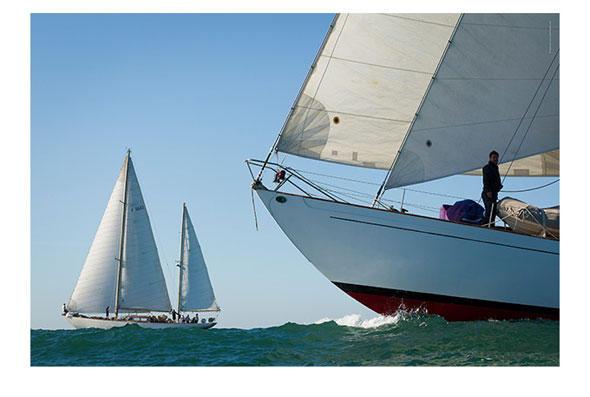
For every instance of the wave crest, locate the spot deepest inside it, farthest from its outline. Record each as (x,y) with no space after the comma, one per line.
(355,320)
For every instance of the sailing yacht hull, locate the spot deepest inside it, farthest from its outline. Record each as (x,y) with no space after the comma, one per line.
(84,322)
(390,261)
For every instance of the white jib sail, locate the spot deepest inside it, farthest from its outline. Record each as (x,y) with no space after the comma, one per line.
(497,88)
(366,85)
(142,284)
(196,292)
(95,289)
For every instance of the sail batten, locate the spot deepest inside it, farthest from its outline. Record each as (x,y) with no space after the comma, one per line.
(196,292)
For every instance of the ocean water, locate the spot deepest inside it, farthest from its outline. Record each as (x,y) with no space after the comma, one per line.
(400,340)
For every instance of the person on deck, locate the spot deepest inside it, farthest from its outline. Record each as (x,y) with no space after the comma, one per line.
(491,186)
(107,310)
(64,308)
(173,315)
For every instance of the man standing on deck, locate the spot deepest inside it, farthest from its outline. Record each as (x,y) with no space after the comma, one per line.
(491,186)
(107,311)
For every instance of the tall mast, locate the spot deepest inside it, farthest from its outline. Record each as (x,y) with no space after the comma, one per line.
(122,241)
(181,255)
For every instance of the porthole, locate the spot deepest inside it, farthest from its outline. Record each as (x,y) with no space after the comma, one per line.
(336,120)
(281,199)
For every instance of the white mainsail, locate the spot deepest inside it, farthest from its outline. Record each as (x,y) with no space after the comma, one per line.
(496,88)
(142,285)
(196,292)
(388,83)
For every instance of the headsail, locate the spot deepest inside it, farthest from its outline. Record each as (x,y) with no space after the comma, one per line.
(497,88)
(196,292)
(388,83)
(142,285)
(95,288)
(365,87)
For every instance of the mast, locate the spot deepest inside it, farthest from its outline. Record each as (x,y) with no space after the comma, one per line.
(122,241)
(181,255)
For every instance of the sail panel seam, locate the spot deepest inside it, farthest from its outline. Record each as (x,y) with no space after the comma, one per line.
(353,114)
(375,64)
(418,20)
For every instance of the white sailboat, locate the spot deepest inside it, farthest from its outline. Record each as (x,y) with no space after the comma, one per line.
(424,96)
(122,270)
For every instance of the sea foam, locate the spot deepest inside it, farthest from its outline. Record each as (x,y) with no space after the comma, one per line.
(355,320)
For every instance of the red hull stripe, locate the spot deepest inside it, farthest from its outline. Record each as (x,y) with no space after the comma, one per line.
(387,301)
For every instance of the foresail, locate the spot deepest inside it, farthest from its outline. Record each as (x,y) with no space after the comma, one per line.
(368,80)
(497,88)
(196,292)
(142,285)
(95,288)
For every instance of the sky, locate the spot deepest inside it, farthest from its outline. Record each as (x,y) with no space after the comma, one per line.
(193,96)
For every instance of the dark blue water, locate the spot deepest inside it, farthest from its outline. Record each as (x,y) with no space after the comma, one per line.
(401,340)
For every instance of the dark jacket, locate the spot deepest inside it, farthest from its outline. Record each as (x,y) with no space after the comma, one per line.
(491,179)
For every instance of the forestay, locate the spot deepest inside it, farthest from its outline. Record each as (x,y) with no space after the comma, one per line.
(196,292)
(497,88)
(365,86)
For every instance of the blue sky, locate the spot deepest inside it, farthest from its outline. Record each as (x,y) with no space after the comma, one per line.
(193,96)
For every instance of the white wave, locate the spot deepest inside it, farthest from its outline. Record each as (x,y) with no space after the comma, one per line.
(355,320)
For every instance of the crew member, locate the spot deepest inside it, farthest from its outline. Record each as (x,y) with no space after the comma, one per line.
(491,186)
(107,310)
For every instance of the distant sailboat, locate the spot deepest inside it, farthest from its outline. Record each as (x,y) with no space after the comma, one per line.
(122,270)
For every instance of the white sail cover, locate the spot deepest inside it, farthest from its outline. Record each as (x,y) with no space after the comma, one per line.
(196,292)
(366,85)
(497,88)
(95,289)
(142,285)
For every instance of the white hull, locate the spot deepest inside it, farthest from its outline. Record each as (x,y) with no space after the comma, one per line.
(84,322)
(388,260)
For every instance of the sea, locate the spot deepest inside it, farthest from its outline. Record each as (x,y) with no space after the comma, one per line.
(403,339)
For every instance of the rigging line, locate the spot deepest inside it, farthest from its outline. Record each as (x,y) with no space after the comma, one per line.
(353,114)
(374,184)
(531,123)
(528,106)
(337,177)
(377,65)
(323,74)
(480,123)
(534,188)
(506,26)
(489,78)
(342,188)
